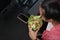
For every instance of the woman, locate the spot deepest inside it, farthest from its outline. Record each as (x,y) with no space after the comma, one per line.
(50,12)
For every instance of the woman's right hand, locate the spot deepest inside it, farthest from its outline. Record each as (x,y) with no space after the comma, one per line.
(33,34)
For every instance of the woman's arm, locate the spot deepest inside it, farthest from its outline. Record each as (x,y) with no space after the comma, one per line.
(33,34)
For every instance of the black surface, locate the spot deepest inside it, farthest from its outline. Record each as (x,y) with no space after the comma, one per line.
(4,3)
(9,29)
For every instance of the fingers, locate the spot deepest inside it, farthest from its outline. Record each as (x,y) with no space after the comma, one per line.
(37,31)
(30,30)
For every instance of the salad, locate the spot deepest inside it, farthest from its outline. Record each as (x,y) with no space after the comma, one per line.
(35,22)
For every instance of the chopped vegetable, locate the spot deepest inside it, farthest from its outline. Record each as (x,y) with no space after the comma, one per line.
(35,22)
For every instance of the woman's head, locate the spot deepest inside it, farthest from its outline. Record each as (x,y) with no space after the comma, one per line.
(50,9)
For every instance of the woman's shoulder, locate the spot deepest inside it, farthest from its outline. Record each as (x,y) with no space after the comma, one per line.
(53,34)
(56,28)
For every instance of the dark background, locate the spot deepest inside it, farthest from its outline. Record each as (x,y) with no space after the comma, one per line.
(10,27)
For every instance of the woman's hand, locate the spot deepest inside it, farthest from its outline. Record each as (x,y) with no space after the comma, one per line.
(33,34)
